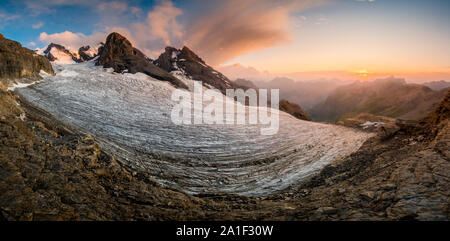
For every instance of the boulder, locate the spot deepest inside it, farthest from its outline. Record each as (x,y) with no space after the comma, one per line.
(387,130)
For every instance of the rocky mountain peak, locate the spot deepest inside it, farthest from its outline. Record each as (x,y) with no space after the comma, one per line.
(117,46)
(118,53)
(86,53)
(185,62)
(1,36)
(188,54)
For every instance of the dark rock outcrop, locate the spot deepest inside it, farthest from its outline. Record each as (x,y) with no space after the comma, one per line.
(294,109)
(119,54)
(17,62)
(192,65)
(83,53)
(49,55)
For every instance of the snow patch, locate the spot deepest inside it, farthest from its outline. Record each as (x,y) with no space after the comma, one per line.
(20,85)
(68,73)
(368,124)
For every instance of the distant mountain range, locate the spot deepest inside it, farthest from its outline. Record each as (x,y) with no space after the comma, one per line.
(305,93)
(389,97)
(332,101)
(437,85)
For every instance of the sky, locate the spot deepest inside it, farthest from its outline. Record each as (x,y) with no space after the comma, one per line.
(302,39)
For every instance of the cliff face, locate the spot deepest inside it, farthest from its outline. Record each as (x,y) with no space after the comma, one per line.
(119,54)
(17,62)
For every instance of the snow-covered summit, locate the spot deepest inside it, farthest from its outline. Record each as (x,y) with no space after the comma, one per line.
(62,55)
(59,54)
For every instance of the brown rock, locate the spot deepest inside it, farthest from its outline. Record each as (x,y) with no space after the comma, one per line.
(385,131)
(294,109)
(19,62)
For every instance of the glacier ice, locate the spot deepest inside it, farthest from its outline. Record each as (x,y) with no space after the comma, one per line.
(129,114)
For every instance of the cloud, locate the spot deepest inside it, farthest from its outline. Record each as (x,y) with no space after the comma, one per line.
(219,32)
(73,41)
(46,6)
(37,25)
(8,17)
(237,71)
(31,44)
(234,28)
(160,28)
(136,11)
(114,7)
(322,20)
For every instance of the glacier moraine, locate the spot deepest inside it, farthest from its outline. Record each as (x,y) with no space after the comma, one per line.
(129,114)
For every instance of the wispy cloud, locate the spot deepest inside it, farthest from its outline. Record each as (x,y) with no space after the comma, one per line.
(8,17)
(37,25)
(47,6)
(113,7)
(322,20)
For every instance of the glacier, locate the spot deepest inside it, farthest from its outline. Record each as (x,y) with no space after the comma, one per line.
(129,115)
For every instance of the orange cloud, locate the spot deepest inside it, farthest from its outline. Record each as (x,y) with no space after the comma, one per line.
(235,28)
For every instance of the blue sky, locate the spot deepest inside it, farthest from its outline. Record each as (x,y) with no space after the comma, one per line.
(325,35)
